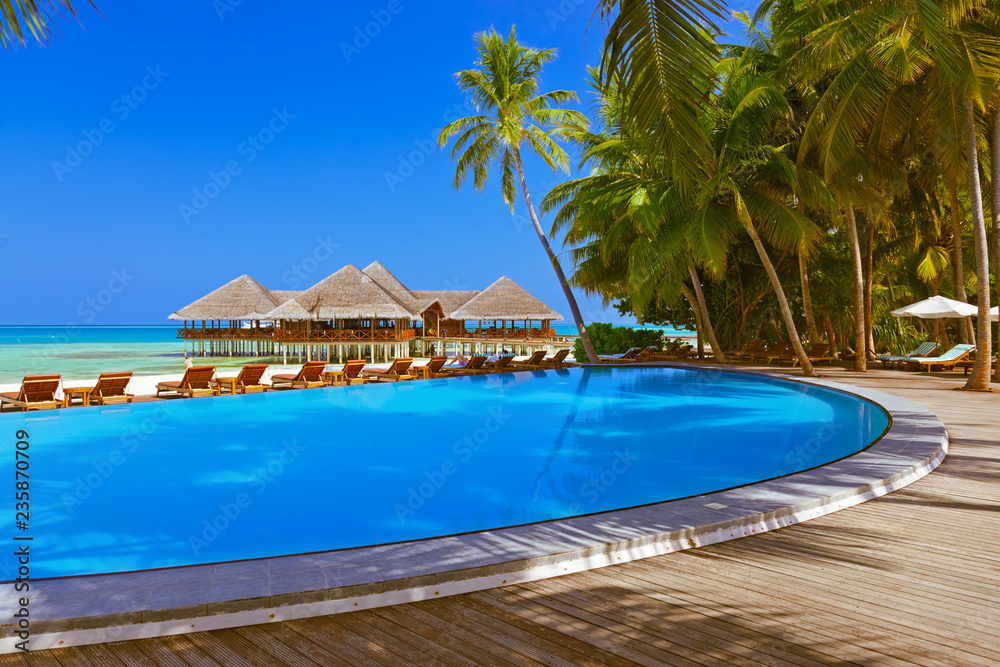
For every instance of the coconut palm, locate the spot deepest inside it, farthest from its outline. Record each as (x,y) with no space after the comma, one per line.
(503,88)
(20,18)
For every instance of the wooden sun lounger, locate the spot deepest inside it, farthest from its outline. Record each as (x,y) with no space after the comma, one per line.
(38,392)
(967,365)
(922,350)
(631,356)
(248,381)
(110,389)
(818,354)
(395,372)
(308,377)
(474,367)
(558,360)
(503,364)
(531,363)
(197,381)
(430,370)
(748,352)
(946,361)
(781,353)
(352,372)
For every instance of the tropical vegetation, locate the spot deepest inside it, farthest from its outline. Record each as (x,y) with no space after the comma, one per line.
(836,161)
(36,18)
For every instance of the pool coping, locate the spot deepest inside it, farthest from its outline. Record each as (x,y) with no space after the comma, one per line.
(103,608)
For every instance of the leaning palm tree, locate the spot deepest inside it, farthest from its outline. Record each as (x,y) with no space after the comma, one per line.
(19,18)
(503,88)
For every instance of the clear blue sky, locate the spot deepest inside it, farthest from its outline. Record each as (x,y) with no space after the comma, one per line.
(110,131)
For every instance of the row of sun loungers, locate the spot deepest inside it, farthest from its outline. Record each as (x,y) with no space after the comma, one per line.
(38,392)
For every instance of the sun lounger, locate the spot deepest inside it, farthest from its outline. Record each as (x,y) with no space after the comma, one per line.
(474,367)
(818,354)
(946,361)
(781,353)
(503,364)
(352,372)
(197,381)
(248,381)
(558,360)
(922,350)
(430,370)
(38,392)
(110,389)
(666,353)
(308,377)
(748,352)
(967,365)
(396,371)
(628,357)
(531,363)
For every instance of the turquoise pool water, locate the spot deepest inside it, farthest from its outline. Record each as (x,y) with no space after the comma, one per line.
(216,479)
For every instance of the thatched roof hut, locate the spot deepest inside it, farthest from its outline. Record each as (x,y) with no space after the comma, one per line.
(350,294)
(236,300)
(450,300)
(289,310)
(504,300)
(280,296)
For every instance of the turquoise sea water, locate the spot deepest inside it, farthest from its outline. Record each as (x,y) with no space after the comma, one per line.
(214,479)
(85,352)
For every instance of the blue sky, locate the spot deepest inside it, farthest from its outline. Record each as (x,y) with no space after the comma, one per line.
(169,147)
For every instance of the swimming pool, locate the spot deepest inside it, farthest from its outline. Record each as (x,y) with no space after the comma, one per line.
(207,480)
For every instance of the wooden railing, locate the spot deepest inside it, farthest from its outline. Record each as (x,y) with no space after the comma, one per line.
(225,334)
(344,335)
(497,334)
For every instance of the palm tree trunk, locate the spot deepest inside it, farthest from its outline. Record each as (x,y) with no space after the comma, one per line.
(786,312)
(807,304)
(693,302)
(706,320)
(860,342)
(958,261)
(831,337)
(588,347)
(996,207)
(979,378)
(869,286)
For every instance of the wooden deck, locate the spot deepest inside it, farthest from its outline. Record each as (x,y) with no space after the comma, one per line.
(912,578)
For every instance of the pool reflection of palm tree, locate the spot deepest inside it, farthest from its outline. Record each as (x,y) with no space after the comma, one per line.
(560,441)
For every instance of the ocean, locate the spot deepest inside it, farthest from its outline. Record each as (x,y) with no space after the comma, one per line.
(82,353)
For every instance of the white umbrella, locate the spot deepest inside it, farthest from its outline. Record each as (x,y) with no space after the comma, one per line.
(937,307)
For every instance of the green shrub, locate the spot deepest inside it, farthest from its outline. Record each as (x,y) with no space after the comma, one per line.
(608,339)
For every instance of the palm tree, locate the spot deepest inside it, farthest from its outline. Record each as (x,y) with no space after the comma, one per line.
(503,88)
(18,17)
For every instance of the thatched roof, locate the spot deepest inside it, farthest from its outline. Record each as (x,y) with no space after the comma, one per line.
(289,310)
(351,294)
(233,301)
(280,296)
(450,300)
(387,281)
(504,300)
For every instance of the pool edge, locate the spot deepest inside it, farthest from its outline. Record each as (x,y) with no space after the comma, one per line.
(915,444)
